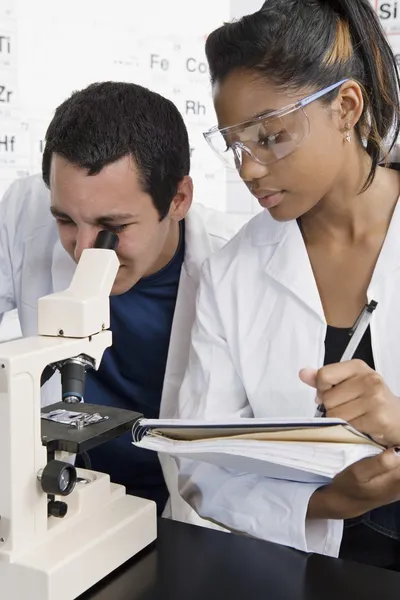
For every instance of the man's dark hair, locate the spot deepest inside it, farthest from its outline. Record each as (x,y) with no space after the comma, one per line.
(313,44)
(107,121)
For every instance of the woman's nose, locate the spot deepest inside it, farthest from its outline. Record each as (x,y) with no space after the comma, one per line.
(250,169)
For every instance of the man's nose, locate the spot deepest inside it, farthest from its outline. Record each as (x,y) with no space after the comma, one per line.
(85,239)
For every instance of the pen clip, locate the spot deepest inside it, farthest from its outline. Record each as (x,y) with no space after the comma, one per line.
(367,308)
(372,306)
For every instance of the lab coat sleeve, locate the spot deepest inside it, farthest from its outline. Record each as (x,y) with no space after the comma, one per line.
(261,507)
(9,206)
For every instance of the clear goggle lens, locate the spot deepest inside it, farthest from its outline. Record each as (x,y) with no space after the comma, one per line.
(266,140)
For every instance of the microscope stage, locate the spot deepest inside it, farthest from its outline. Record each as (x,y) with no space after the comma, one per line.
(59,437)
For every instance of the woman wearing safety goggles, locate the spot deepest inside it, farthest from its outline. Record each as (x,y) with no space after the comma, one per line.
(306,94)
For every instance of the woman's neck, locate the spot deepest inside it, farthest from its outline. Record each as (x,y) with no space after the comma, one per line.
(347,216)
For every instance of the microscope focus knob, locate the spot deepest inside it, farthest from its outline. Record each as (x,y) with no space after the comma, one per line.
(57,509)
(58,478)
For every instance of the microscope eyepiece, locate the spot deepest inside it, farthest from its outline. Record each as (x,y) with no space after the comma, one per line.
(107,240)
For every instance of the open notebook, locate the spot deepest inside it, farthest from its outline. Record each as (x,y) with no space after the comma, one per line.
(306,450)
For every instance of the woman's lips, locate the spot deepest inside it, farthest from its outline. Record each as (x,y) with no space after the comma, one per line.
(269,200)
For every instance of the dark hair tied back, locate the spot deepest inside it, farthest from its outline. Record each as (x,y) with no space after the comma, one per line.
(312,44)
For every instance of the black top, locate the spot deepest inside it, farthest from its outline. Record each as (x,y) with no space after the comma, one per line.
(196,563)
(361,542)
(336,342)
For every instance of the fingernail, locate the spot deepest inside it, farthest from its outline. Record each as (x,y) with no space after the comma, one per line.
(308,370)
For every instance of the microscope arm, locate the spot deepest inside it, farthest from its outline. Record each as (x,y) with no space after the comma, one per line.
(84,308)
(80,311)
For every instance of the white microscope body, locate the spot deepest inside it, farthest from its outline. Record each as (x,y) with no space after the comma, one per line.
(49,558)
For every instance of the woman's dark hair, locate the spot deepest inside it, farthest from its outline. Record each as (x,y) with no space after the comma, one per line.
(107,121)
(312,44)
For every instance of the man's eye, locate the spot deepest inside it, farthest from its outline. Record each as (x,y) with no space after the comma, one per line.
(116,228)
(64,222)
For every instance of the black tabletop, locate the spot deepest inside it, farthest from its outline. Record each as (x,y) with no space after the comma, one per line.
(192,563)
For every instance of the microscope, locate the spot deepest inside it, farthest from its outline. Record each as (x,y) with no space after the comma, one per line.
(63,529)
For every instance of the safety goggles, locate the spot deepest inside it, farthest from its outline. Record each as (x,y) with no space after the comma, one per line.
(268,137)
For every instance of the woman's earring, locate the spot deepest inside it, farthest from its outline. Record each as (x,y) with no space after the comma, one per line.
(347,136)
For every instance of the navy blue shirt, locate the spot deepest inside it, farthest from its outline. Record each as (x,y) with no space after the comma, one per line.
(131,375)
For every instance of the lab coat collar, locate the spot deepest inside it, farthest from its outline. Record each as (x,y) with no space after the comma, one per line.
(289,264)
(267,231)
(389,258)
(197,241)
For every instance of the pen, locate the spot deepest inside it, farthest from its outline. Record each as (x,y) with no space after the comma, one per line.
(356,335)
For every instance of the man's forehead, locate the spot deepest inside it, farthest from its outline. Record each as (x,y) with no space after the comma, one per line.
(118,180)
(112,194)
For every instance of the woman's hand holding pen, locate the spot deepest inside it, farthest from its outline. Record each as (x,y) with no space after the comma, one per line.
(357,394)
(354,392)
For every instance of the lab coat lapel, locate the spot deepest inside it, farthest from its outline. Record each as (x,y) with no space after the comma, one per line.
(389,258)
(197,248)
(289,264)
(197,243)
(385,324)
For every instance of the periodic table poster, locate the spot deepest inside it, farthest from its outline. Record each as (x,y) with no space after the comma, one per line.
(389,15)
(50,48)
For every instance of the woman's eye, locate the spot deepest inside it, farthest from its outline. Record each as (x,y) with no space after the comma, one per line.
(267,140)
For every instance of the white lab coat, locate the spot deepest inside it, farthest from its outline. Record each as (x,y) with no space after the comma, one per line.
(33,263)
(259,321)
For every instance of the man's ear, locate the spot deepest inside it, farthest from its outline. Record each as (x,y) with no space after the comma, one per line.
(183,200)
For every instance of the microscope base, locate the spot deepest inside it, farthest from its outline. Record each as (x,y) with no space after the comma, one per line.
(81,550)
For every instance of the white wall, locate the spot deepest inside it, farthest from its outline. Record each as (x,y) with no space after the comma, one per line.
(50,48)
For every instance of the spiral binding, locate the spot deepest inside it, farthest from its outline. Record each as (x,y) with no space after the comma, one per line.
(139,431)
